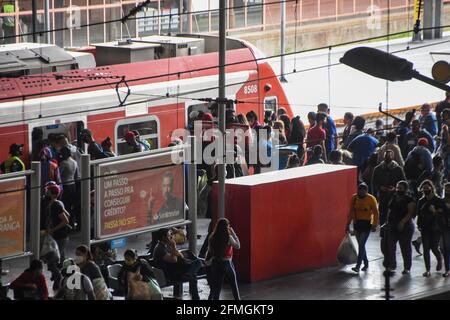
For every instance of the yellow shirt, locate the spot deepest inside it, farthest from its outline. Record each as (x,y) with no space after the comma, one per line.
(364,209)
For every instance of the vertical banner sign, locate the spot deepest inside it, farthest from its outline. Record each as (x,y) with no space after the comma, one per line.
(12,217)
(152,195)
(417,9)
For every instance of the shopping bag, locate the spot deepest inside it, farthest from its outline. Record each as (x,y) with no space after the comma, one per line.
(347,253)
(155,290)
(49,248)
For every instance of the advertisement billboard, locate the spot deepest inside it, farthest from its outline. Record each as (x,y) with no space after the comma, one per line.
(138,194)
(12,217)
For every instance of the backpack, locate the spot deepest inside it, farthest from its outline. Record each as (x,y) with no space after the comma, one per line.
(412,166)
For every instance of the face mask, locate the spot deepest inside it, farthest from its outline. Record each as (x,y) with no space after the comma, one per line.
(401,193)
(79,259)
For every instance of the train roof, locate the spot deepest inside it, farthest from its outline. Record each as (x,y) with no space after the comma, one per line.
(240,56)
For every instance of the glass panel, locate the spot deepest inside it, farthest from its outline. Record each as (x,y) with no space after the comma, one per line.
(327,8)
(146,24)
(362,5)
(95,2)
(237,16)
(63,3)
(62,38)
(25,5)
(254,13)
(80,34)
(345,6)
(96,31)
(144,128)
(129,28)
(7,27)
(113,29)
(270,103)
(309,9)
(170,23)
(80,3)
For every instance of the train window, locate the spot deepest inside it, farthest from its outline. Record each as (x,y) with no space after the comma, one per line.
(204,107)
(148,128)
(271,103)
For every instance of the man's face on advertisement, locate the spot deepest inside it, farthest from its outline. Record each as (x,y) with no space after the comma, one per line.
(166,187)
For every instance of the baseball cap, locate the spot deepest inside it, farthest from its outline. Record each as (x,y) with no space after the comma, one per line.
(422,142)
(129,136)
(363,185)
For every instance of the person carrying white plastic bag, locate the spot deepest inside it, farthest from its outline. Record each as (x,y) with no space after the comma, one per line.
(347,252)
(364,214)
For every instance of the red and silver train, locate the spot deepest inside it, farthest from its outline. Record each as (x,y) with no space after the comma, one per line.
(59,91)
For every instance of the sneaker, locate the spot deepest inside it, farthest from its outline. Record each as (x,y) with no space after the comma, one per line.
(445,275)
(439,265)
(426,274)
(416,246)
(355,269)
(405,272)
(366,266)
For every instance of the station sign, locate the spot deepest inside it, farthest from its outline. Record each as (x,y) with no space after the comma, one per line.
(12,217)
(138,194)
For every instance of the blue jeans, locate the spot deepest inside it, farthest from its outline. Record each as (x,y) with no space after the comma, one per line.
(221,269)
(361,238)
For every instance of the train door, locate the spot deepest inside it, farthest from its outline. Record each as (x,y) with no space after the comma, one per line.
(45,131)
(148,128)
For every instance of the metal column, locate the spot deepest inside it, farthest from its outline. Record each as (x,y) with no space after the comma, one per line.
(222,106)
(47,20)
(283,41)
(438,11)
(35,209)
(33,20)
(85,199)
(192,196)
(428,19)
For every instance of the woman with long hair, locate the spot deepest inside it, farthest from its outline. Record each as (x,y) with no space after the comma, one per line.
(427,222)
(220,254)
(85,260)
(297,135)
(278,126)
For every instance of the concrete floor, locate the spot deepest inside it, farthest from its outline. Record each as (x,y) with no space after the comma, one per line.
(332,283)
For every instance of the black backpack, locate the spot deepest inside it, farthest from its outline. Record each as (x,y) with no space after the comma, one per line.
(412,167)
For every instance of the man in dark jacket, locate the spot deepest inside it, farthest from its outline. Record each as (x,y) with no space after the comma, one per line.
(385,177)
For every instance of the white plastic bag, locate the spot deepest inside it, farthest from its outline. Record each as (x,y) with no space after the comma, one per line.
(50,248)
(347,253)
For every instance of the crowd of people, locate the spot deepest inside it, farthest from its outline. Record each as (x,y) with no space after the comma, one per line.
(403,173)
(404,183)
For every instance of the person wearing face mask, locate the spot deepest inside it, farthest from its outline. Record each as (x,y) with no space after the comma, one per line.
(444,224)
(385,177)
(399,228)
(364,214)
(133,264)
(57,221)
(84,259)
(31,284)
(427,222)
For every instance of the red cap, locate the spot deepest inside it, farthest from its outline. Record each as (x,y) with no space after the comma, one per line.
(422,142)
(207,117)
(129,136)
